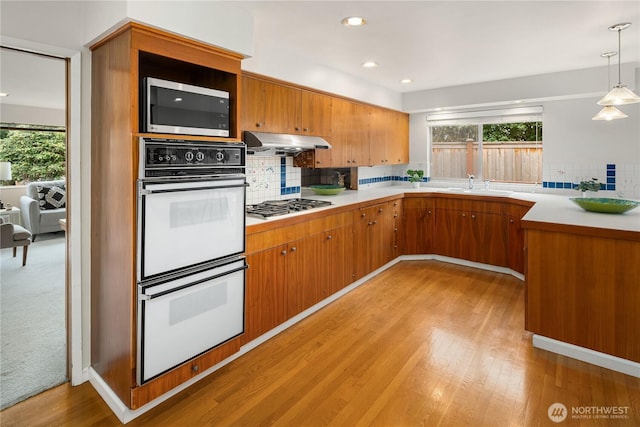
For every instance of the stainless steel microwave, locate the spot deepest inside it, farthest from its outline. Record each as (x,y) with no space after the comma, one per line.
(179,108)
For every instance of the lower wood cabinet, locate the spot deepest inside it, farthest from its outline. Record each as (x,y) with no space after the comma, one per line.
(474,236)
(374,236)
(515,252)
(304,273)
(284,280)
(336,263)
(265,303)
(582,287)
(418,226)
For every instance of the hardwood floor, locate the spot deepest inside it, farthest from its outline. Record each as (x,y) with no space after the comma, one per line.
(424,343)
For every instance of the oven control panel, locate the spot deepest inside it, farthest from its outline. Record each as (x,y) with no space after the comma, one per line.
(164,158)
(191,154)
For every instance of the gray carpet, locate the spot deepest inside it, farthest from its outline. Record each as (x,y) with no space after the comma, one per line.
(33,330)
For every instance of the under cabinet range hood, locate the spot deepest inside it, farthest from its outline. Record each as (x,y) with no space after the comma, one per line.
(258,142)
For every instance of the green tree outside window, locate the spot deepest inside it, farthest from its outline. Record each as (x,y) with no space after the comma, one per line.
(35,155)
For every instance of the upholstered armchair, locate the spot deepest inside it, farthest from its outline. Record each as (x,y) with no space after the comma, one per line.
(43,207)
(12,236)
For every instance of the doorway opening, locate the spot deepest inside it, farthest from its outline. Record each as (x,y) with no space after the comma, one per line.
(33,298)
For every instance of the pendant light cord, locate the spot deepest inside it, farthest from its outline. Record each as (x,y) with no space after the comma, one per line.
(619,58)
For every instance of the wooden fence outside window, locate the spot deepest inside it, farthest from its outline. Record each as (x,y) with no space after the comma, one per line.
(501,161)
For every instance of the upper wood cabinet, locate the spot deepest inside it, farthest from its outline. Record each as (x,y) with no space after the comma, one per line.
(359,134)
(316,114)
(277,108)
(388,137)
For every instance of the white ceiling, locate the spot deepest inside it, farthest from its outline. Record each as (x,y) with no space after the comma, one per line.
(434,43)
(448,43)
(32,80)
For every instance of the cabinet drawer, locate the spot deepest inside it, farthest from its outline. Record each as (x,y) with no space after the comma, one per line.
(471,205)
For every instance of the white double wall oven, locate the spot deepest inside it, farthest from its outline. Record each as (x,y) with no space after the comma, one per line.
(191,241)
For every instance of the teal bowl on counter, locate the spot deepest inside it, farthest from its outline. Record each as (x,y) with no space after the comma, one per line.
(327,190)
(604,205)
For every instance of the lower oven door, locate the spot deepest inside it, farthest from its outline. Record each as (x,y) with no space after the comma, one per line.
(183,317)
(184,223)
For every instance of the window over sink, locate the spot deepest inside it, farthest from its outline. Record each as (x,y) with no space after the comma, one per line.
(496,145)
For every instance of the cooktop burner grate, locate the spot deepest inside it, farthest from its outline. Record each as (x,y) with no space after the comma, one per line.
(282,207)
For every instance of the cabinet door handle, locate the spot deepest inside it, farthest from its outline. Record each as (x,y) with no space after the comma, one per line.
(375,222)
(380,210)
(297,129)
(429,212)
(363,215)
(473,216)
(511,221)
(370,223)
(293,249)
(195,368)
(329,237)
(283,252)
(464,215)
(258,125)
(305,129)
(318,161)
(395,215)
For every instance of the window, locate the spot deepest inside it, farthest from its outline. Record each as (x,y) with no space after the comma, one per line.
(36,152)
(496,145)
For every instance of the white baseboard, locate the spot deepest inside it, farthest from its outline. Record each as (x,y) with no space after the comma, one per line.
(457,261)
(603,360)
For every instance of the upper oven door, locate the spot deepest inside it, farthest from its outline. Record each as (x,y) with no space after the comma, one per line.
(186,223)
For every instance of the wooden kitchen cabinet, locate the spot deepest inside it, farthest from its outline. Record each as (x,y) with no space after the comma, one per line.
(581,287)
(337,260)
(315,114)
(119,63)
(293,267)
(349,134)
(418,225)
(515,252)
(305,274)
(375,236)
(360,134)
(398,225)
(388,137)
(269,106)
(266,305)
(475,231)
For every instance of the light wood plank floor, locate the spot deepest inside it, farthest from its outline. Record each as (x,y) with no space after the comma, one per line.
(423,344)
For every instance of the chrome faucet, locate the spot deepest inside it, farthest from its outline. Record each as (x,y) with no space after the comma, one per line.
(471,181)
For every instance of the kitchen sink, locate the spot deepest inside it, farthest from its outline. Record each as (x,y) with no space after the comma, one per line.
(475,191)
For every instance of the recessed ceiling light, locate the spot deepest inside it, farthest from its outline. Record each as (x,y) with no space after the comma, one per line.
(369,64)
(354,21)
(4,94)
(406,81)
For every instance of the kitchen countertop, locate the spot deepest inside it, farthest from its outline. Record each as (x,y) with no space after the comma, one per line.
(548,208)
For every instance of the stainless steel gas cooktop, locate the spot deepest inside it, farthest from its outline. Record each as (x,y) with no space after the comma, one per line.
(282,207)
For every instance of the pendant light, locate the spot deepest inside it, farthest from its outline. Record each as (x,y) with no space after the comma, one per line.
(620,94)
(609,112)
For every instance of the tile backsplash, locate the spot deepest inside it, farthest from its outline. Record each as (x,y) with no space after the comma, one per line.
(275,178)
(272,178)
(621,180)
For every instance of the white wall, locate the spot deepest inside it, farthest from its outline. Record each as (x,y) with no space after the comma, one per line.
(574,146)
(11,113)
